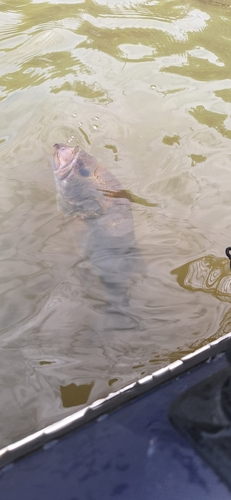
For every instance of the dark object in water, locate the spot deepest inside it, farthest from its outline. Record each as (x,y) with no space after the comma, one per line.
(87,190)
(227,251)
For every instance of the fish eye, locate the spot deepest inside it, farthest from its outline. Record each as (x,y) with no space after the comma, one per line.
(84,172)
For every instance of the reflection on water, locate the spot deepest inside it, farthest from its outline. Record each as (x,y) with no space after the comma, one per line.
(144,86)
(75,395)
(208,274)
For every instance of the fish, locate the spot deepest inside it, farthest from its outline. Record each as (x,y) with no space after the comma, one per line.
(89,192)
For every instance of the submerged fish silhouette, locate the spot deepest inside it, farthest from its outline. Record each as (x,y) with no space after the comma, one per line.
(87,190)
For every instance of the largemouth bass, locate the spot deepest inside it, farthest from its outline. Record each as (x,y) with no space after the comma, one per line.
(90,192)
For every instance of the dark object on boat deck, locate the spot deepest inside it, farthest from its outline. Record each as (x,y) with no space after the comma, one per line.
(228,253)
(203,415)
(90,192)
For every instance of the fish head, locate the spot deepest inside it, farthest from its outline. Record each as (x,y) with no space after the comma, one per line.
(76,181)
(64,160)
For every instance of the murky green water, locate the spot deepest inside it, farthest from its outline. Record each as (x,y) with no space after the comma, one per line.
(145,86)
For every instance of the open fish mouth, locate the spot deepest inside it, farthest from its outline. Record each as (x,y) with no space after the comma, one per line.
(64,159)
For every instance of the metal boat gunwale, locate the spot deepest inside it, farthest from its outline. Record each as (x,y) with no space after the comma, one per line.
(112,402)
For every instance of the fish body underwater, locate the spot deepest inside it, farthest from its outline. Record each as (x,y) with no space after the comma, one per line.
(90,192)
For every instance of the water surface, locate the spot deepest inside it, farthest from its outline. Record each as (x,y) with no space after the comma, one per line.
(145,87)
